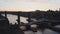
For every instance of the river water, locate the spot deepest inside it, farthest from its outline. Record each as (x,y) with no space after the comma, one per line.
(13,18)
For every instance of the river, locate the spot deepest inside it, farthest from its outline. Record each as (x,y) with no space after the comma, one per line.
(13,18)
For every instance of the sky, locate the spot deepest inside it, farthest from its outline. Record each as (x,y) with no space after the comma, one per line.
(29,5)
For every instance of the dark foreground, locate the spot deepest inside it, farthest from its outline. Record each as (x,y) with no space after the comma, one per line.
(43,21)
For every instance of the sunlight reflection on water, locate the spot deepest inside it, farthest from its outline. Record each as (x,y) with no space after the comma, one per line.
(13,18)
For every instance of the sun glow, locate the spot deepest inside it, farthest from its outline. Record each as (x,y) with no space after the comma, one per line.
(28,5)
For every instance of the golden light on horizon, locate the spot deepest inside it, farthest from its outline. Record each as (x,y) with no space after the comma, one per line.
(28,5)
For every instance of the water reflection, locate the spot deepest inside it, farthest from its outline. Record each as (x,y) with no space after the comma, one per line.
(13,18)
(47,31)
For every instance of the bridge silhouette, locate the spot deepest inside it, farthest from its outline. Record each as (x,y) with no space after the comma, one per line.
(49,16)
